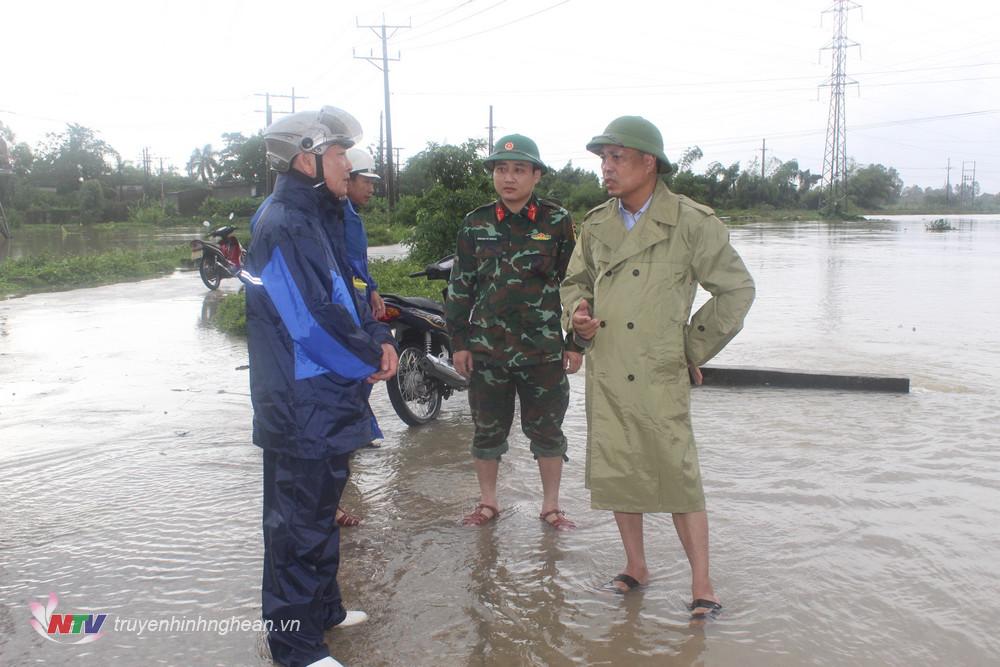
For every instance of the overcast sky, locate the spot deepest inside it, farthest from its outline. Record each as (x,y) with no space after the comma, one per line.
(720,74)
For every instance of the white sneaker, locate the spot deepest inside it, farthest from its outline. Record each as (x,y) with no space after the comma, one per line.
(328,661)
(353,618)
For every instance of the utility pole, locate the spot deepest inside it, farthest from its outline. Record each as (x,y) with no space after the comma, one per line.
(267,104)
(947,187)
(145,171)
(268,115)
(835,153)
(163,195)
(968,181)
(763,152)
(489,148)
(395,176)
(381,152)
(380,32)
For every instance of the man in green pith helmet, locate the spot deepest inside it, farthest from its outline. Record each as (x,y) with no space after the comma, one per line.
(503,313)
(628,295)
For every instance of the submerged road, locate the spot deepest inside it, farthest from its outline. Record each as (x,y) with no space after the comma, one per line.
(848,528)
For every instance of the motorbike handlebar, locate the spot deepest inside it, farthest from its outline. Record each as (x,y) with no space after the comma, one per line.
(418,274)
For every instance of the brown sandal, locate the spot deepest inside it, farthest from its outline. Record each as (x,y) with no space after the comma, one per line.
(478,518)
(560,522)
(346,519)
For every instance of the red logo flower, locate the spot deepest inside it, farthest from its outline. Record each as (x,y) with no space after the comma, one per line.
(509,145)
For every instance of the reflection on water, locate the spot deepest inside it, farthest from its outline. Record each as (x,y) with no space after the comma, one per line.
(69,240)
(847,528)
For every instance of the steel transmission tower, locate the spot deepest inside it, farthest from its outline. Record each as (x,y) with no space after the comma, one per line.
(835,154)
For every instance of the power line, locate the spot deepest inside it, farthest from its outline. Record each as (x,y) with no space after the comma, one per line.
(420,35)
(669,87)
(497,27)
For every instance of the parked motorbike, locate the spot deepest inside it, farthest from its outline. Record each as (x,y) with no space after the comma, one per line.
(216,261)
(425,376)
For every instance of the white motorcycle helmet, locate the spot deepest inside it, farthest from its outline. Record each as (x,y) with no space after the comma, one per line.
(362,163)
(309,132)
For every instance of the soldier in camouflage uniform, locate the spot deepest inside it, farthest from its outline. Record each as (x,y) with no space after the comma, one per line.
(503,313)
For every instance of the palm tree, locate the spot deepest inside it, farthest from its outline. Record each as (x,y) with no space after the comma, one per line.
(203,163)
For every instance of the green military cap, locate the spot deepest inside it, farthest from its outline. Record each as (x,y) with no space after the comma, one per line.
(633,132)
(515,147)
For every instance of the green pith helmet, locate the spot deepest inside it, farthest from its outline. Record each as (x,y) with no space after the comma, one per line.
(515,147)
(633,132)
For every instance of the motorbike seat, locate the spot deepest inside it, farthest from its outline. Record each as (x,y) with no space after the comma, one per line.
(421,302)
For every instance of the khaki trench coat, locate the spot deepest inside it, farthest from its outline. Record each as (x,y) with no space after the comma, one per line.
(641,454)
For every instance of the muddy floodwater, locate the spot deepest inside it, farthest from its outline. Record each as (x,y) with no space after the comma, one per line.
(65,240)
(847,528)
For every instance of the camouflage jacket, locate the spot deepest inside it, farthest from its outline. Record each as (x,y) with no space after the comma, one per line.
(503,297)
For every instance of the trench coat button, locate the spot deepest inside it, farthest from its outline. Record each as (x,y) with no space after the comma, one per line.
(603,323)
(701,327)
(607,274)
(635,272)
(631,377)
(631,325)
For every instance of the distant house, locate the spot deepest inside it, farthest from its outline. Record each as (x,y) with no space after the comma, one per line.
(189,201)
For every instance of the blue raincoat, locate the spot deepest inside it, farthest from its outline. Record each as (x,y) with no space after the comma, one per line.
(312,345)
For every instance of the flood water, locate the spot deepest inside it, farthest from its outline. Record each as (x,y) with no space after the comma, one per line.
(847,528)
(68,240)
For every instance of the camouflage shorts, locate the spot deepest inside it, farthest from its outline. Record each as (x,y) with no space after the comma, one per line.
(544,393)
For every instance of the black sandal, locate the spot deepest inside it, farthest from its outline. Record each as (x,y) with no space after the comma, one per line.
(713,609)
(630,582)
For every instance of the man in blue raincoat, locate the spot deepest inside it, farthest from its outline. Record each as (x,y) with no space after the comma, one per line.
(359,192)
(313,348)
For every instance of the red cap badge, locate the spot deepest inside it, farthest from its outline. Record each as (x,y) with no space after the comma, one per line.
(509,146)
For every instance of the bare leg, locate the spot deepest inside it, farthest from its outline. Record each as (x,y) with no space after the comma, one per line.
(692,528)
(486,472)
(550,469)
(630,527)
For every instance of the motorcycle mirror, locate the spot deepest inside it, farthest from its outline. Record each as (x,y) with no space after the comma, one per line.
(231,214)
(206,223)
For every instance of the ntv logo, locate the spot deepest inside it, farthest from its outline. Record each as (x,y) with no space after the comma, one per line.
(47,623)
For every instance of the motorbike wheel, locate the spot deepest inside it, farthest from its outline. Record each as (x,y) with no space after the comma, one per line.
(210,272)
(415,397)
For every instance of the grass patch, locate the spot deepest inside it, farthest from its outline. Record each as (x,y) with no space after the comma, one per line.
(44,273)
(231,315)
(386,234)
(392,276)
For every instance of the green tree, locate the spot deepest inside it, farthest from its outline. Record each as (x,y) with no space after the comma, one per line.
(91,204)
(21,159)
(453,182)
(454,167)
(202,164)
(578,190)
(69,158)
(243,159)
(874,186)
(690,156)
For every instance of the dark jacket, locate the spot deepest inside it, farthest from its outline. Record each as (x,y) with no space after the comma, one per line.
(357,248)
(311,344)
